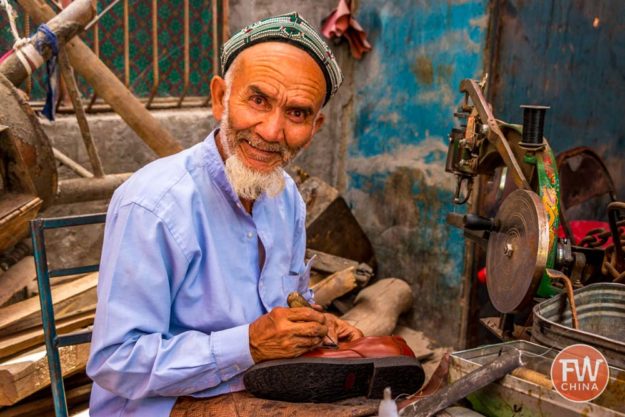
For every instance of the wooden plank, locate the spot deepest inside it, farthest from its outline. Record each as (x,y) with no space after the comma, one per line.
(327,263)
(16,278)
(45,406)
(68,300)
(16,211)
(29,373)
(334,286)
(26,339)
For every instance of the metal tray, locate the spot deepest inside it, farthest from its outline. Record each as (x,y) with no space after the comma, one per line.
(601,314)
(512,396)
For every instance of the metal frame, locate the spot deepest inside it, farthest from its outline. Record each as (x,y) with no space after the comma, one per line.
(54,341)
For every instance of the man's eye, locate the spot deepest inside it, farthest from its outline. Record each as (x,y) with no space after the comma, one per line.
(258,100)
(297,115)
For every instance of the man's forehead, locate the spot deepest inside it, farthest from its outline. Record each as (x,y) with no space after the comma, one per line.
(269,65)
(290,28)
(276,51)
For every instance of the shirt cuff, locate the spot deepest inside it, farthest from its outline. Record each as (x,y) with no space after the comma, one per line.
(231,348)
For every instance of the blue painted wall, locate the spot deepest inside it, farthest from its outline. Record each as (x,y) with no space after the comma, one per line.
(570,55)
(406,91)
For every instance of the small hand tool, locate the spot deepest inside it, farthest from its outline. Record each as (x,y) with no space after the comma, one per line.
(295,299)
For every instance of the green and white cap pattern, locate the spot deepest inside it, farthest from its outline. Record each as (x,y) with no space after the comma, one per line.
(293,29)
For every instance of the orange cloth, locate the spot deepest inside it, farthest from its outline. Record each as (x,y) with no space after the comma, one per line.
(340,23)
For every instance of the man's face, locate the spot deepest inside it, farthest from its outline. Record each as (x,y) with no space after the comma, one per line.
(273,107)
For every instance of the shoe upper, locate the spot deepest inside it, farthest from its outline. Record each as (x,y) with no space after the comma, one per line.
(365,347)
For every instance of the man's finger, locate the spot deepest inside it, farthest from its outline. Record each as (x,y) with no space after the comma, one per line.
(307,342)
(309,329)
(305,314)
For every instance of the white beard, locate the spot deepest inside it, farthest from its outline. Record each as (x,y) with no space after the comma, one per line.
(247,183)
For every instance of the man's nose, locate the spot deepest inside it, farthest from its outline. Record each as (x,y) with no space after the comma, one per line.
(271,127)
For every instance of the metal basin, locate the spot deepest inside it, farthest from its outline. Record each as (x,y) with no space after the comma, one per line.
(601,314)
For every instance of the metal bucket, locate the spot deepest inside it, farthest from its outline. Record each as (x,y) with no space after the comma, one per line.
(517,397)
(601,314)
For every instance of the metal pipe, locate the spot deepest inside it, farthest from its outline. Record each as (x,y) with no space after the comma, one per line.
(215,35)
(126,46)
(155,67)
(47,317)
(186,53)
(89,189)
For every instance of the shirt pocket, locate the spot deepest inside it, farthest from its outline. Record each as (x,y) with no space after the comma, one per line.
(298,281)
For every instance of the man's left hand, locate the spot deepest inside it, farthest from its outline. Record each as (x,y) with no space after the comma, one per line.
(341,331)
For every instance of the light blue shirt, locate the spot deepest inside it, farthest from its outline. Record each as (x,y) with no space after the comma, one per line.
(180,282)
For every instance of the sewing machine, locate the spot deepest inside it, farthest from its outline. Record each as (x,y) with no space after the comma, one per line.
(525,258)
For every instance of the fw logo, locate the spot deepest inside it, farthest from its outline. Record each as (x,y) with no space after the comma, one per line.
(580,373)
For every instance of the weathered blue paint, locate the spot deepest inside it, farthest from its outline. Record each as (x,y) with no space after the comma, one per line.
(570,55)
(406,93)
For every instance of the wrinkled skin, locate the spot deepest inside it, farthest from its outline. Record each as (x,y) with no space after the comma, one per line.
(274,108)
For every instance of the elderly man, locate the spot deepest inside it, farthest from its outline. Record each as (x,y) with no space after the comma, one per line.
(202,248)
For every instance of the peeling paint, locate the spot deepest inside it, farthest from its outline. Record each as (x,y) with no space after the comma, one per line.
(397,186)
(422,68)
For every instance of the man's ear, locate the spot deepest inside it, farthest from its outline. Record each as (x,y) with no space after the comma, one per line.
(218,93)
(318,122)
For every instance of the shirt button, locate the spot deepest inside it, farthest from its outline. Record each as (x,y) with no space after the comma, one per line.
(250,235)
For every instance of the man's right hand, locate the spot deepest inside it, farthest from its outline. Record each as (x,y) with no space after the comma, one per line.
(286,333)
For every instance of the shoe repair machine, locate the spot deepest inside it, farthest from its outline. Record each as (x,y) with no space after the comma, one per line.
(525,259)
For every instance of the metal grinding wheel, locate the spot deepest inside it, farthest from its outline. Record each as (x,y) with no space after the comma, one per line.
(517,251)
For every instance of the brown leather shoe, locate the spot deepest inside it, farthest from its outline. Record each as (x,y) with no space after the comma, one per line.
(363,367)
(365,347)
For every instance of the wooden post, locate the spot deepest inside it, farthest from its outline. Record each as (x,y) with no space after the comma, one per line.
(109,87)
(66,25)
(88,189)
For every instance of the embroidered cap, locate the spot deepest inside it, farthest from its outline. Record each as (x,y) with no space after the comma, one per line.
(293,29)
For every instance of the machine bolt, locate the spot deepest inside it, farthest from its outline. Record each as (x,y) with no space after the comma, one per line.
(508,249)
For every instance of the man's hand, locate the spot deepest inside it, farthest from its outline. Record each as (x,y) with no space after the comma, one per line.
(340,330)
(286,333)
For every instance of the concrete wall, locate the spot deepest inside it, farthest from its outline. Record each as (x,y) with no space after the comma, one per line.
(406,93)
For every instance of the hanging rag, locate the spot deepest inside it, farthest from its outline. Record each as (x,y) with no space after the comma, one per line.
(52,72)
(340,23)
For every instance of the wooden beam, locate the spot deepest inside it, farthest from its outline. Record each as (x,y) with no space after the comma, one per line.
(107,86)
(45,406)
(69,299)
(327,263)
(29,373)
(66,25)
(16,278)
(27,339)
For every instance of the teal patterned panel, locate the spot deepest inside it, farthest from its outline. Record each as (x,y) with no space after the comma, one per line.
(170,46)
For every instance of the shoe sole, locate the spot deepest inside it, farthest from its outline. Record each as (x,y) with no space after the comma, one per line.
(329,380)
